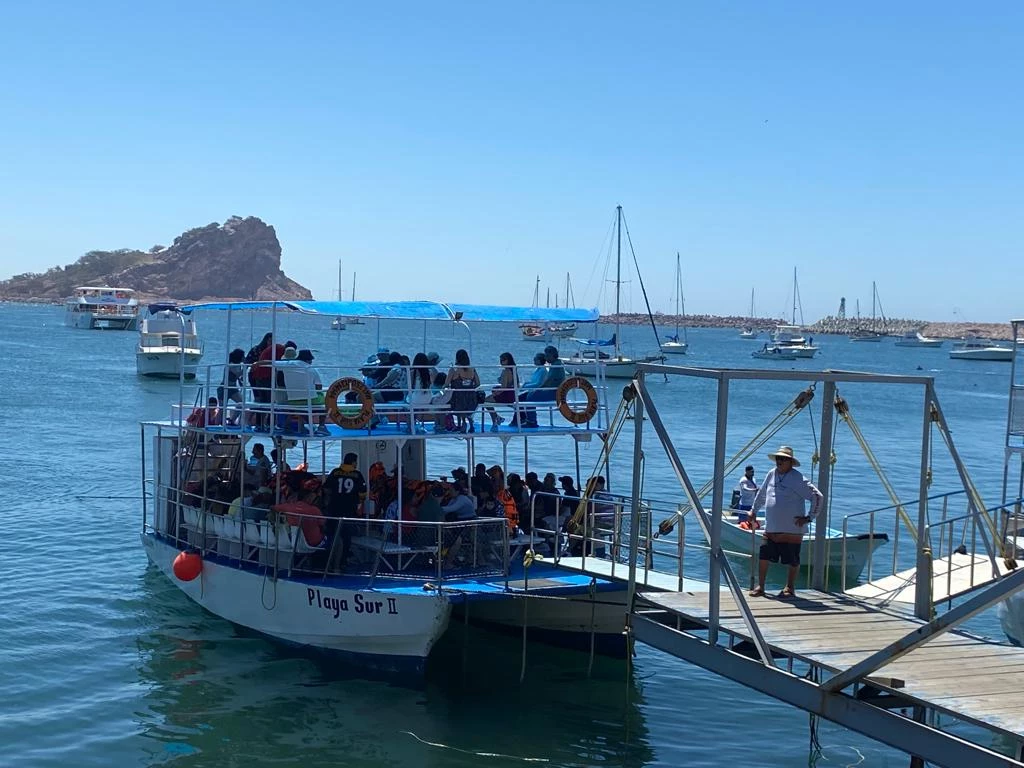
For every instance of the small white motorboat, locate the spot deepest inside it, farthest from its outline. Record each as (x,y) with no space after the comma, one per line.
(169,347)
(917,339)
(978,348)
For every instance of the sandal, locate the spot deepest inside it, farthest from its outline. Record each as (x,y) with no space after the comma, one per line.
(756,592)
(787,593)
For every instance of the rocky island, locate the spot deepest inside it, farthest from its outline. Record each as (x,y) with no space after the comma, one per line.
(239,259)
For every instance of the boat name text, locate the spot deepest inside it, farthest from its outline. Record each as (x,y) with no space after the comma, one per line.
(359,604)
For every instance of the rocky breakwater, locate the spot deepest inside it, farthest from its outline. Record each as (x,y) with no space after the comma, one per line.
(239,259)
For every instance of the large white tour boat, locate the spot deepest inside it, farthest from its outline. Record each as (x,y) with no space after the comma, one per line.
(256,544)
(102,308)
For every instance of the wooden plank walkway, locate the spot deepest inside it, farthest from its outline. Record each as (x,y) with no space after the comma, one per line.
(968,678)
(951,576)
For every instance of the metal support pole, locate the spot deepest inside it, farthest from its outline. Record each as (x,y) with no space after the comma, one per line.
(634,523)
(819,572)
(923,586)
(717,494)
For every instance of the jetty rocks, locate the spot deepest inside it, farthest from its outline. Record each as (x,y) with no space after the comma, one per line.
(239,259)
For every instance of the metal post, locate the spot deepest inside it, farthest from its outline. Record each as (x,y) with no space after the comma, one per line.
(717,493)
(634,523)
(819,573)
(923,585)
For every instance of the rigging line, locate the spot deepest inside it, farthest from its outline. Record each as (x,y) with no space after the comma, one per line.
(639,277)
(787,414)
(843,409)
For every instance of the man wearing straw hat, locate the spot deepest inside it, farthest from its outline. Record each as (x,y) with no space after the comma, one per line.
(782,496)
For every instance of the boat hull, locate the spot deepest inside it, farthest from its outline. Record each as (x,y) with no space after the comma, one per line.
(569,622)
(100,322)
(673,348)
(785,353)
(167,364)
(612,368)
(997,354)
(387,631)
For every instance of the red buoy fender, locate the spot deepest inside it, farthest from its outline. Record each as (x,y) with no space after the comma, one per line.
(187,565)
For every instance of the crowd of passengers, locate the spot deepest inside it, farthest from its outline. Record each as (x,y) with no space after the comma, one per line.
(271,488)
(391,378)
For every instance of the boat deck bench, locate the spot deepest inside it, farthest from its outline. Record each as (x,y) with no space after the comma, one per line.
(395,557)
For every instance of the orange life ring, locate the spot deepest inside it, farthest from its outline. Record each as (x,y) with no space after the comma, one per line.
(561,397)
(347,420)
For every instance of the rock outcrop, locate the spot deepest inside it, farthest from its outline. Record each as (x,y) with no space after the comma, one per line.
(240,259)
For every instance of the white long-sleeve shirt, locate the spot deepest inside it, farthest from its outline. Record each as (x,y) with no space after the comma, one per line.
(782,497)
(748,490)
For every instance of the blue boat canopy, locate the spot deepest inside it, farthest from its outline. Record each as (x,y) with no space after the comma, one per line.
(414,310)
(595,342)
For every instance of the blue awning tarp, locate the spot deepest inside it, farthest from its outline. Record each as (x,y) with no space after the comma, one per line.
(414,310)
(595,342)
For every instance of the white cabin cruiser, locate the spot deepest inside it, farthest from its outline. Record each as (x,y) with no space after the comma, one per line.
(168,344)
(978,348)
(917,339)
(101,308)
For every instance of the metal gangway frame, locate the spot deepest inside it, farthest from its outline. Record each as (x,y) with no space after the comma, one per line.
(835,697)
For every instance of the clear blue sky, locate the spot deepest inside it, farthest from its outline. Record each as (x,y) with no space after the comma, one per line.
(456,150)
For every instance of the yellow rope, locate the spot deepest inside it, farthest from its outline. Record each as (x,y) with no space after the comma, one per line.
(843,409)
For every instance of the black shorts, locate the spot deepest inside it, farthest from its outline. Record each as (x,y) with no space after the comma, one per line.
(787,553)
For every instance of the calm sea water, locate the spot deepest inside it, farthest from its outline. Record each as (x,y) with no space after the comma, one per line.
(106,663)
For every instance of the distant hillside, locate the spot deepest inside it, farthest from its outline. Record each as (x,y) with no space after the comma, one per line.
(240,259)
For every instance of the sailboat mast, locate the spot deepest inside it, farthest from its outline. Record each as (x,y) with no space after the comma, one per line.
(339,280)
(353,297)
(793,321)
(618,271)
(679,291)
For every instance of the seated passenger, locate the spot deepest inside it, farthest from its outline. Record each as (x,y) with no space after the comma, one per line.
(259,469)
(532,391)
(461,507)
(303,387)
(393,387)
(205,417)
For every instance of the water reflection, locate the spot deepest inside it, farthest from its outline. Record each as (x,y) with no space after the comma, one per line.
(217,696)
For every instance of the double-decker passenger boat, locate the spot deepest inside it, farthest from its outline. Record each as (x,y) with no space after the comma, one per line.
(101,307)
(266,548)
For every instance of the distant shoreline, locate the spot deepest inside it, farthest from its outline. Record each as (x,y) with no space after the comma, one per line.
(825,326)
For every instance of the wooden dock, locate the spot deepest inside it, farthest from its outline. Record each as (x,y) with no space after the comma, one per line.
(954,673)
(955,575)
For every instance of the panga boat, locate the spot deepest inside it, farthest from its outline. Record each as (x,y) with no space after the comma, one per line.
(168,344)
(853,549)
(256,546)
(101,308)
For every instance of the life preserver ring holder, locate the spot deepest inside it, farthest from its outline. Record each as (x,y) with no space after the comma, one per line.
(345,420)
(562,399)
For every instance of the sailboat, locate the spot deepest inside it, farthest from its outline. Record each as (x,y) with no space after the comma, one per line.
(788,342)
(749,332)
(674,346)
(869,334)
(546,332)
(590,360)
(338,323)
(356,320)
